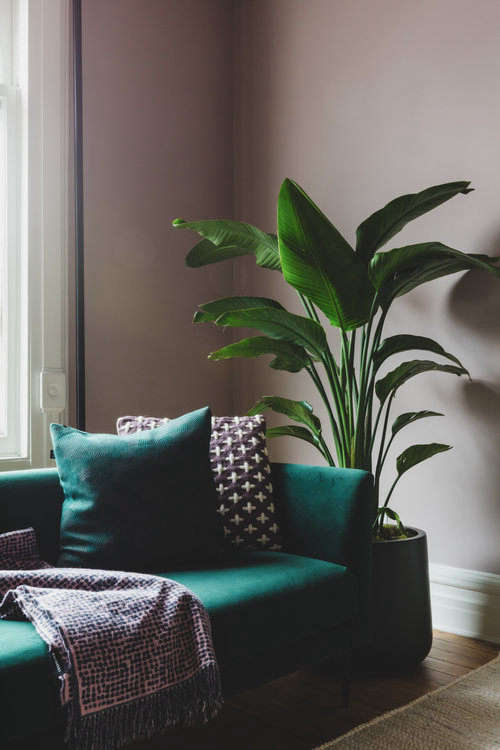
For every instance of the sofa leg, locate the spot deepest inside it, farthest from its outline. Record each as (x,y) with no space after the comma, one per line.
(345,685)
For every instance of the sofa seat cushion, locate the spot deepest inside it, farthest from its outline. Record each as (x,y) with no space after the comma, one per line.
(261,600)
(258,602)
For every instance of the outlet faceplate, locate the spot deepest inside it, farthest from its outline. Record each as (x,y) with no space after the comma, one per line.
(52,390)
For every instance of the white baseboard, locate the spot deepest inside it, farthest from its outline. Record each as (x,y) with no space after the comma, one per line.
(466,602)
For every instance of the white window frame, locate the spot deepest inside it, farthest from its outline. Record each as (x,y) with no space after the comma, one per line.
(40,76)
(13,339)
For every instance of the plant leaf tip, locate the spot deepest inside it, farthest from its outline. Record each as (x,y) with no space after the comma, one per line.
(178,222)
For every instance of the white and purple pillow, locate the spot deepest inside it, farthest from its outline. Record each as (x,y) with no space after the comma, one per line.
(129,425)
(242,475)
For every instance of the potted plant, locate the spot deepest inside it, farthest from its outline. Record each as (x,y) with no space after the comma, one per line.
(352,290)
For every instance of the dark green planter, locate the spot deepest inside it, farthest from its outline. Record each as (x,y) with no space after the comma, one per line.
(401,607)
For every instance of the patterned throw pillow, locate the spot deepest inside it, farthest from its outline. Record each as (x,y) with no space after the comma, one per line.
(242,475)
(129,425)
(19,551)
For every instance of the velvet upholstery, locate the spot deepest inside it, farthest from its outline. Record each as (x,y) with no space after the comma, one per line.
(262,600)
(329,514)
(271,612)
(33,498)
(29,692)
(258,604)
(136,502)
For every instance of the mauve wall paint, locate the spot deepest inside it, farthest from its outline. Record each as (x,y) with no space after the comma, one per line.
(361,101)
(157,126)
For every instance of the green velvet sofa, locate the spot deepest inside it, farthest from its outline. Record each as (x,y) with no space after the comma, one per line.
(271,612)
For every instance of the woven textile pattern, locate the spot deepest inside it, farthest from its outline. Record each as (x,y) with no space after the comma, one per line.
(129,425)
(19,550)
(133,652)
(242,474)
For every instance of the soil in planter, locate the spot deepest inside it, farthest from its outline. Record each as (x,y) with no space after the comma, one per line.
(391,531)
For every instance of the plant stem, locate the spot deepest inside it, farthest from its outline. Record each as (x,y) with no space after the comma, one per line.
(348,379)
(382,439)
(309,308)
(342,439)
(375,427)
(326,451)
(360,442)
(381,461)
(333,379)
(352,352)
(370,431)
(321,390)
(391,491)
(371,383)
(378,524)
(378,333)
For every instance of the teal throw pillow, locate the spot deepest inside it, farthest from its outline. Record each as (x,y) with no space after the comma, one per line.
(137,502)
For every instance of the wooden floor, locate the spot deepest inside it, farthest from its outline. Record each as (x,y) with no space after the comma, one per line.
(303,710)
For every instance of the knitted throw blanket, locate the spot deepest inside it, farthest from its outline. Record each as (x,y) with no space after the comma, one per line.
(133,652)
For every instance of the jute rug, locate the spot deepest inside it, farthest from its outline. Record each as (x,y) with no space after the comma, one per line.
(464,715)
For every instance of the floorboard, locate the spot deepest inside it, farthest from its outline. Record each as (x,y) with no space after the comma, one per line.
(303,710)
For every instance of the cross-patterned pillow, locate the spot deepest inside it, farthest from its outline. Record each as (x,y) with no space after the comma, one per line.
(242,476)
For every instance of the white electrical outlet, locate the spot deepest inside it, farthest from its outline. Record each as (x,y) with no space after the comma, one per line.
(52,390)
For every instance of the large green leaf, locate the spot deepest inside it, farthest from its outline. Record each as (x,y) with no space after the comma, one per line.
(288,356)
(411,416)
(395,379)
(432,269)
(229,239)
(279,324)
(210,311)
(292,430)
(299,411)
(405,343)
(394,267)
(415,454)
(205,252)
(389,220)
(318,262)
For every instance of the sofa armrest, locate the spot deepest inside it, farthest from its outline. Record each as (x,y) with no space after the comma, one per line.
(33,497)
(328,513)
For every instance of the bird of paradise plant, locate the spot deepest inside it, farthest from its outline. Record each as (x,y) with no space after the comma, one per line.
(353,289)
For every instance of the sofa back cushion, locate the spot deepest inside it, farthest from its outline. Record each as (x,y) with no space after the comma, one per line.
(242,477)
(140,501)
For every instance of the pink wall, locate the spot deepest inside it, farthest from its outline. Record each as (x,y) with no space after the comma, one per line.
(157,144)
(360,102)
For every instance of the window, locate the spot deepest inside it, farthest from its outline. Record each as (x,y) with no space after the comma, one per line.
(34,70)
(13,333)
